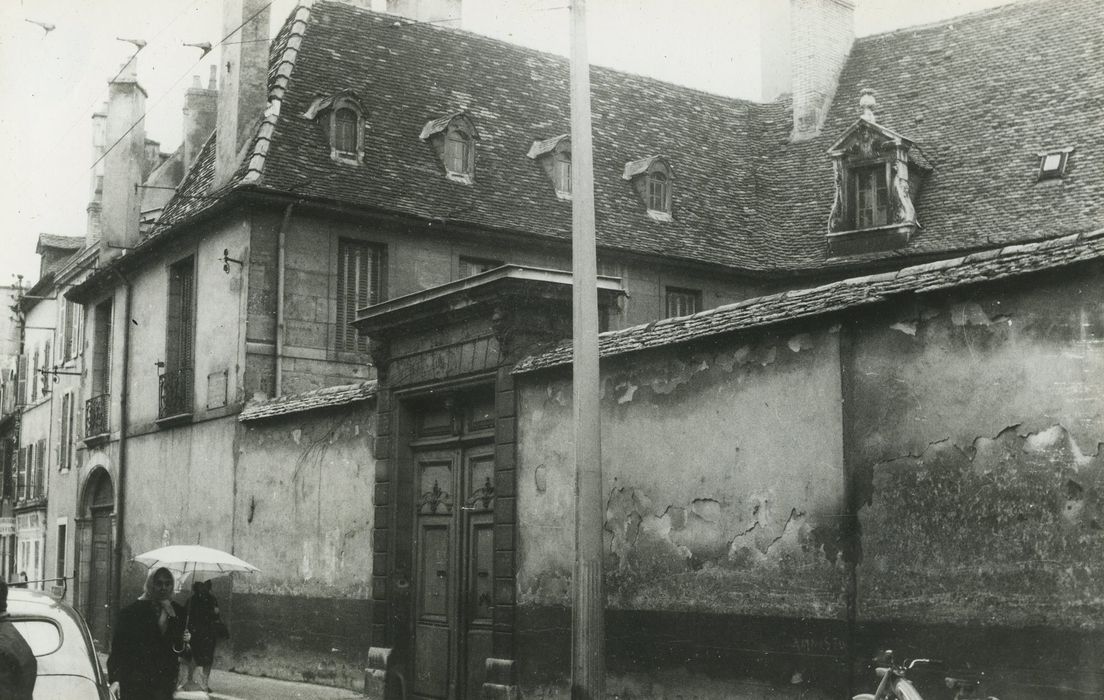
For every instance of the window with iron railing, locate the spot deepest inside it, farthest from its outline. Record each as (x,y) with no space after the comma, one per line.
(95,415)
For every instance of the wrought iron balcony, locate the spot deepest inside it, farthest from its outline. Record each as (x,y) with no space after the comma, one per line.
(95,415)
(176,392)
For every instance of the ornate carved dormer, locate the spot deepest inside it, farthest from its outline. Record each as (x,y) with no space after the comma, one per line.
(877,178)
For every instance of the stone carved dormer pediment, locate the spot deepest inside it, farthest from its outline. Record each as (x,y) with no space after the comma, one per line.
(877,179)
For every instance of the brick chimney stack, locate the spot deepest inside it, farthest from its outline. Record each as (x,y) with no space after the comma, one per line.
(805,44)
(125,139)
(444,13)
(200,115)
(243,95)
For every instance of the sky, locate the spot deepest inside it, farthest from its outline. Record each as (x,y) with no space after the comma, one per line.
(52,82)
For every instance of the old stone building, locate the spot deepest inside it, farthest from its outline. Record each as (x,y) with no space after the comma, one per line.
(409,487)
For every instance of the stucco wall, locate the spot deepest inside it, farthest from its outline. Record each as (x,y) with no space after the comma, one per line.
(304,516)
(978,423)
(179,490)
(218,338)
(724,481)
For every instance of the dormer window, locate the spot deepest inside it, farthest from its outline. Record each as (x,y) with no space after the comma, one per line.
(343,117)
(554,155)
(651,178)
(1052,164)
(453,137)
(877,178)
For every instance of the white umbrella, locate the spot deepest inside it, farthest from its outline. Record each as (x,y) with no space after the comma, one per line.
(184,559)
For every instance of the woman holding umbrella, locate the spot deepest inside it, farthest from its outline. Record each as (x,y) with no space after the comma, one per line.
(148,634)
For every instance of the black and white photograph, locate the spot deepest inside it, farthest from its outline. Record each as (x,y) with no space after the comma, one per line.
(552,349)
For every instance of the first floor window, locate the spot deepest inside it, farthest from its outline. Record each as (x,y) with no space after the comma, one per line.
(359,284)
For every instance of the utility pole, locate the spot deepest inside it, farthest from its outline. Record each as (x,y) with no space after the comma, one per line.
(588,629)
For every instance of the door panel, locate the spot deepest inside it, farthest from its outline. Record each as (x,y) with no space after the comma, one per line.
(100,583)
(434,625)
(478,594)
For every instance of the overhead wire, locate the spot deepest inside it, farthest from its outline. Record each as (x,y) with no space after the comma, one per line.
(176,82)
(82,116)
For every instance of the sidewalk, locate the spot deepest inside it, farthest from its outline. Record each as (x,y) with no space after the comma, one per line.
(236,686)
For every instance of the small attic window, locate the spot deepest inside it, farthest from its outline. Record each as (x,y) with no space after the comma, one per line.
(453,137)
(554,156)
(344,120)
(651,178)
(1052,164)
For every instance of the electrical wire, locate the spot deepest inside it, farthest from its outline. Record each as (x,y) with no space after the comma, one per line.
(176,82)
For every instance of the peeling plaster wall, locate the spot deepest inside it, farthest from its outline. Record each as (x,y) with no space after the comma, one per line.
(303,514)
(724,481)
(978,423)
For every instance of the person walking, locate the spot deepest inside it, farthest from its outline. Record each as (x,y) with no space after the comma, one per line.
(149,634)
(18,666)
(206,626)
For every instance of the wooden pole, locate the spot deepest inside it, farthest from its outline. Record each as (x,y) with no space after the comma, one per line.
(588,638)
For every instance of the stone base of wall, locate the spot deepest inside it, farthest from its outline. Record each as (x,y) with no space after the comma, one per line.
(316,640)
(690,655)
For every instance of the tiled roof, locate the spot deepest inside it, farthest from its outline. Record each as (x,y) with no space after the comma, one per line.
(308,401)
(985,266)
(980,96)
(53,240)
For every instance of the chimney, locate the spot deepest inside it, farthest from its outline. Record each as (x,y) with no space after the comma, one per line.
(200,115)
(125,137)
(243,96)
(817,34)
(95,194)
(444,13)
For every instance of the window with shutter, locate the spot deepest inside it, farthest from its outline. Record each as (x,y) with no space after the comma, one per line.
(21,380)
(359,284)
(46,367)
(39,470)
(25,453)
(180,347)
(65,449)
(101,350)
(34,378)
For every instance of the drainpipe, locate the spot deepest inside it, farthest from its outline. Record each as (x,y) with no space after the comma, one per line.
(281,247)
(120,487)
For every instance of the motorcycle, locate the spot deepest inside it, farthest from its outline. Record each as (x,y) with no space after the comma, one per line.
(895,684)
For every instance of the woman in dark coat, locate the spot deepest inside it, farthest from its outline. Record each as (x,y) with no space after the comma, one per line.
(148,633)
(204,623)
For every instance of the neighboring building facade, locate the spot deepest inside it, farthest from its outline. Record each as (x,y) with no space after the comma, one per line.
(408,488)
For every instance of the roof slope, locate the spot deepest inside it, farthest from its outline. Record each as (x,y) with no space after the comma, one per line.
(763,311)
(981,96)
(327,397)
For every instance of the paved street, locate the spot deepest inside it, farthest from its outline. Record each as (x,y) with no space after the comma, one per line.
(236,686)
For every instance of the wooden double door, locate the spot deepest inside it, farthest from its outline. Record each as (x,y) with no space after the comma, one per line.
(453,564)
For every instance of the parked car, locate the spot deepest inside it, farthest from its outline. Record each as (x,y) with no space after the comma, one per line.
(58,636)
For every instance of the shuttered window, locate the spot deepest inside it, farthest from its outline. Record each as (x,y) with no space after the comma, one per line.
(25,453)
(21,380)
(101,350)
(359,284)
(65,450)
(180,339)
(39,485)
(46,367)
